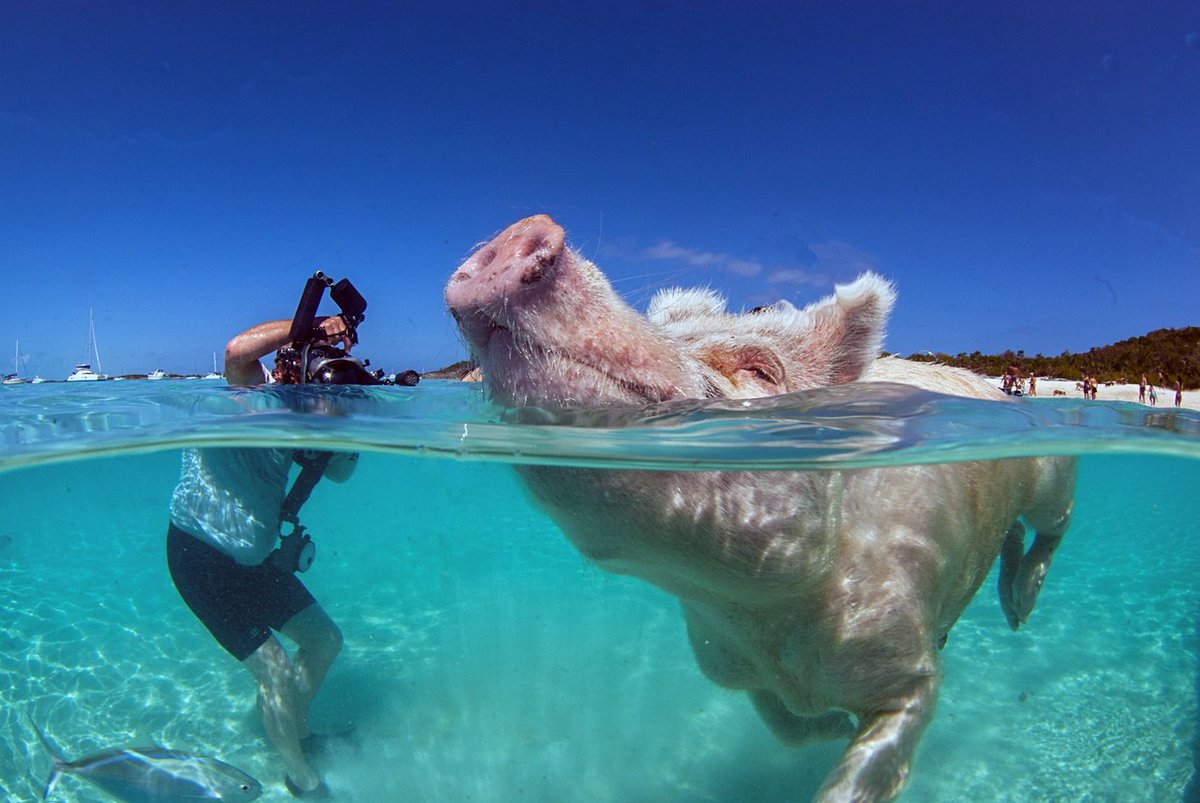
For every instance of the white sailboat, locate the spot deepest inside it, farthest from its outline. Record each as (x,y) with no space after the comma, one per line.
(83,371)
(215,373)
(15,377)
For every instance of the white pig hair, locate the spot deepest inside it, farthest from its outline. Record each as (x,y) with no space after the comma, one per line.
(675,304)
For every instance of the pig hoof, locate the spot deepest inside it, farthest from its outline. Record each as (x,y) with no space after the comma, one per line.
(1024,601)
(1010,613)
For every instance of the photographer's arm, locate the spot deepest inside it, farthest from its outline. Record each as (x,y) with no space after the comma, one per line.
(243,352)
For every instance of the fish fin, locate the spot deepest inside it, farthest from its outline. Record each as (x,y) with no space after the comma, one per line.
(142,741)
(59,761)
(52,781)
(49,748)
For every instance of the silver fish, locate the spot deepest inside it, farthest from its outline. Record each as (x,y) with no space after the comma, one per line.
(153,775)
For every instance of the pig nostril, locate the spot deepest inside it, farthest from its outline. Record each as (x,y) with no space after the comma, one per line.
(530,246)
(537,268)
(532,273)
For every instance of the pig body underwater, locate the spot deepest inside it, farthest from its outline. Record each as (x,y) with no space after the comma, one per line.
(824,594)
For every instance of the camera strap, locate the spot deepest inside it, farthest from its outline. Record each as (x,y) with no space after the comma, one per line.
(311,470)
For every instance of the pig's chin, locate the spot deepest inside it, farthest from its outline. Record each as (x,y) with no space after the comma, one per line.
(520,373)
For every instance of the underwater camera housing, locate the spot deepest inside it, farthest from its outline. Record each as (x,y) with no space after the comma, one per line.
(295,553)
(316,363)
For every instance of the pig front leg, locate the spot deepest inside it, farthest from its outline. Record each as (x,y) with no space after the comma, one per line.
(1032,573)
(1022,575)
(793,729)
(1010,561)
(875,765)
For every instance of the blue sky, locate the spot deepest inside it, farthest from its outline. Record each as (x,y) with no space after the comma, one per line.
(1028,176)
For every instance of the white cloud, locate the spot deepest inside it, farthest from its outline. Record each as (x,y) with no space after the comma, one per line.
(796,276)
(832,259)
(668,250)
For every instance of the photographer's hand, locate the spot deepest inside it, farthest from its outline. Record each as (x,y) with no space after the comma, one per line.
(334,330)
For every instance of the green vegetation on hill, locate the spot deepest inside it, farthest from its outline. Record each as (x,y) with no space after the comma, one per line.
(456,371)
(1163,356)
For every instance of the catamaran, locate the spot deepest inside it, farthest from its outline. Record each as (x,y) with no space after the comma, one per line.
(83,371)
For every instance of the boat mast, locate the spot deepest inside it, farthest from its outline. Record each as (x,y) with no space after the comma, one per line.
(93,346)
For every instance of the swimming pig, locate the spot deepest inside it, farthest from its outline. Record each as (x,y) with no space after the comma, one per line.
(823,594)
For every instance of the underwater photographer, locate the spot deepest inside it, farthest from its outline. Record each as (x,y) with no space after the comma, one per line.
(235,543)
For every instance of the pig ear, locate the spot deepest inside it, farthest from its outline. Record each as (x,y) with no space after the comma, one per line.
(846,330)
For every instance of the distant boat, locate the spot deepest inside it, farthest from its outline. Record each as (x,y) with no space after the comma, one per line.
(215,373)
(83,371)
(157,373)
(15,377)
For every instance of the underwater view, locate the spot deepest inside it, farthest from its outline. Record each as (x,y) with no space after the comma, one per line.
(485,659)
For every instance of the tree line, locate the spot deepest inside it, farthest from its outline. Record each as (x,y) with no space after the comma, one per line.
(1162,356)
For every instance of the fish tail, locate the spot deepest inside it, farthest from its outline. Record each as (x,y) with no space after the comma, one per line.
(51,782)
(59,761)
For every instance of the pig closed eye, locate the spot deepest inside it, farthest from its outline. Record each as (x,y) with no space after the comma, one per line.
(759,376)
(762,375)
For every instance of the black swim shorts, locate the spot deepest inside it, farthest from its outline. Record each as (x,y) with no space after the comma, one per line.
(240,605)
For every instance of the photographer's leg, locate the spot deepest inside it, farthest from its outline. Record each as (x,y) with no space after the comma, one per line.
(318,642)
(283,716)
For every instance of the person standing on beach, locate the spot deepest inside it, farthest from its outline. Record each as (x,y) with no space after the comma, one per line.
(1179,392)
(1142,390)
(1032,384)
(226,517)
(1153,397)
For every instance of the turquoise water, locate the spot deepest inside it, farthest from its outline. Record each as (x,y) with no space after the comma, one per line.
(486,660)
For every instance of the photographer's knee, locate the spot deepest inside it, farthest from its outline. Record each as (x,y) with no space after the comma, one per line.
(333,641)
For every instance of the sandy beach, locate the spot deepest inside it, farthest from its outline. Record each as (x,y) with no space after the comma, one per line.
(1125,393)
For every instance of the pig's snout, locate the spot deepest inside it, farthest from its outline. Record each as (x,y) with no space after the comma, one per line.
(520,256)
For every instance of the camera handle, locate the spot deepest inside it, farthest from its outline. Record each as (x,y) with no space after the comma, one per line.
(296,550)
(306,311)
